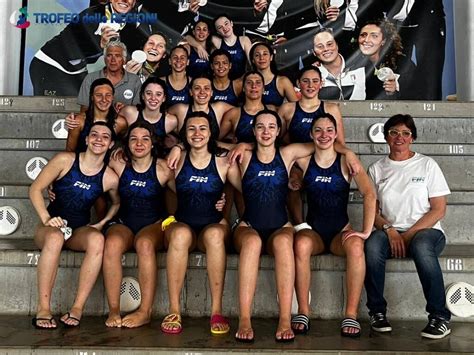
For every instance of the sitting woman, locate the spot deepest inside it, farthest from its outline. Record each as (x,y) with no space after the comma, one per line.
(411,201)
(142,181)
(78,180)
(200,177)
(326,180)
(265,223)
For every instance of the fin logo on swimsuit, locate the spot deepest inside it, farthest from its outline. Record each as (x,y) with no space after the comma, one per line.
(138,183)
(200,179)
(178,98)
(307,120)
(220,98)
(266,173)
(323,179)
(82,185)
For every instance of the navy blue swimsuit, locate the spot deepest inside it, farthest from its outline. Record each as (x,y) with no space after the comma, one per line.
(159,127)
(197,66)
(174,96)
(328,195)
(197,191)
(141,198)
(238,57)
(265,188)
(243,131)
(227,95)
(75,195)
(271,96)
(300,125)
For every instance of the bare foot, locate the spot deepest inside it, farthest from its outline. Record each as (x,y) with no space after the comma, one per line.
(245,331)
(44,321)
(284,334)
(114,320)
(136,319)
(72,318)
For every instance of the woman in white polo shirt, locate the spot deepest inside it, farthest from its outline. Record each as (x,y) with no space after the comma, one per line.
(411,200)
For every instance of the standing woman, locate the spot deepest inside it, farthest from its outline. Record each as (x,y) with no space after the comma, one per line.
(223,88)
(265,223)
(78,180)
(237,46)
(142,180)
(199,45)
(177,83)
(200,177)
(239,120)
(277,87)
(152,108)
(101,96)
(327,183)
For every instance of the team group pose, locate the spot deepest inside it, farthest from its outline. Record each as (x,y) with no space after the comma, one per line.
(217,125)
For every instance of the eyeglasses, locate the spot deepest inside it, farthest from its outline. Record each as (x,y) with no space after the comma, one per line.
(394,133)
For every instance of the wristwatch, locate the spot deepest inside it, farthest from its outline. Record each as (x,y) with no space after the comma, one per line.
(386,226)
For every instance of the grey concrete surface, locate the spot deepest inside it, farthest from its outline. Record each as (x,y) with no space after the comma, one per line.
(403,291)
(18,337)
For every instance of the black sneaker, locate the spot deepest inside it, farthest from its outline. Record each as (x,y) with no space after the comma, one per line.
(436,328)
(379,323)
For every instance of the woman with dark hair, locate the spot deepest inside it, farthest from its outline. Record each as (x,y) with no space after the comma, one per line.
(326,180)
(411,201)
(389,73)
(101,96)
(199,45)
(200,92)
(200,177)
(239,120)
(223,88)
(78,179)
(265,225)
(156,63)
(177,83)
(152,108)
(277,87)
(142,181)
(298,118)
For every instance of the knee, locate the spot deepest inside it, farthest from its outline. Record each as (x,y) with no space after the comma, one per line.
(424,243)
(376,242)
(213,237)
(354,248)
(144,246)
(282,242)
(181,237)
(113,247)
(54,241)
(253,243)
(95,243)
(303,247)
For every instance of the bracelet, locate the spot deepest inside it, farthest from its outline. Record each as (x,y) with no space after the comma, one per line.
(179,146)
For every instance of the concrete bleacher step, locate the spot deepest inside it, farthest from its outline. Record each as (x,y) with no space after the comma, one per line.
(18,261)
